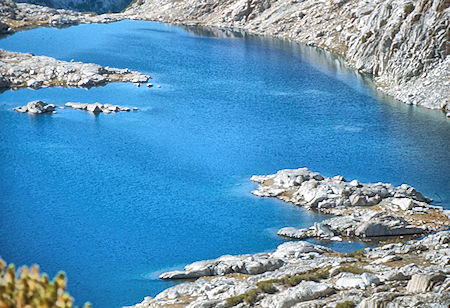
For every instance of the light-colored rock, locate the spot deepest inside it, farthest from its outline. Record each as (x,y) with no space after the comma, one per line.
(384,285)
(421,283)
(294,233)
(387,259)
(373,37)
(390,213)
(94,108)
(37,107)
(305,291)
(19,70)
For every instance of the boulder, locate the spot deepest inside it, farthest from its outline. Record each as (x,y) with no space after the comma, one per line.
(304,291)
(385,224)
(21,109)
(292,232)
(403,203)
(298,248)
(94,108)
(36,107)
(421,283)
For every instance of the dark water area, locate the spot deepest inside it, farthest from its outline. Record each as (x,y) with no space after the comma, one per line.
(116,199)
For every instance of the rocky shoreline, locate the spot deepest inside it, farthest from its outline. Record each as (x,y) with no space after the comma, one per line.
(21,16)
(301,274)
(361,210)
(402,44)
(23,70)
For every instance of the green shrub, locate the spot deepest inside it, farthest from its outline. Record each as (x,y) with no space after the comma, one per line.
(356,253)
(352,269)
(31,289)
(235,300)
(266,287)
(408,9)
(249,297)
(346,304)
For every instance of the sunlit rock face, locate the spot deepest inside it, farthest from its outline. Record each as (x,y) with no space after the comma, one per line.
(400,43)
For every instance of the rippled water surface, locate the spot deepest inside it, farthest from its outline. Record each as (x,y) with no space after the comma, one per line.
(116,199)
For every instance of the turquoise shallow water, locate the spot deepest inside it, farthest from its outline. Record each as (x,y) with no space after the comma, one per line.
(116,199)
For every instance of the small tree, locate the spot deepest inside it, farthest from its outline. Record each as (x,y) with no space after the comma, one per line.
(31,289)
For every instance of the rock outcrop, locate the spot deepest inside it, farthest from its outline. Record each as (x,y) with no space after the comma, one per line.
(97,107)
(403,44)
(19,70)
(98,6)
(36,107)
(16,16)
(409,274)
(363,210)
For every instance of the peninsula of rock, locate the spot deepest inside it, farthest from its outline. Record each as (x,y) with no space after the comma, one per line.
(301,274)
(362,210)
(23,70)
(18,16)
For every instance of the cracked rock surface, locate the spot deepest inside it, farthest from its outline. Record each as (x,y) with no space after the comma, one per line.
(20,70)
(403,44)
(362,210)
(408,274)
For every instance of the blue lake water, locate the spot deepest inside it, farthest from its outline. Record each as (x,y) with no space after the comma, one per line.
(116,199)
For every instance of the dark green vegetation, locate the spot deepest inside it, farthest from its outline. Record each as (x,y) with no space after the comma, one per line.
(267,286)
(346,304)
(352,269)
(408,9)
(31,289)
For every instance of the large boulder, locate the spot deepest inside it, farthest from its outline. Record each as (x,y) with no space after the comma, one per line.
(304,291)
(385,224)
(36,107)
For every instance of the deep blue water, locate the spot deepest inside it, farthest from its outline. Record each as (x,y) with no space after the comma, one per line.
(116,199)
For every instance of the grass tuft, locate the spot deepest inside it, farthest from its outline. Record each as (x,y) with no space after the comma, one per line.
(346,304)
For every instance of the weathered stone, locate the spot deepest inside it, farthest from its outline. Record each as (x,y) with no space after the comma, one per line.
(26,70)
(421,283)
(305,291)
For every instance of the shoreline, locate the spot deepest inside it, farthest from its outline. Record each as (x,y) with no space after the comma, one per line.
(427,86)
(336,27)
(265,278)
(301,274)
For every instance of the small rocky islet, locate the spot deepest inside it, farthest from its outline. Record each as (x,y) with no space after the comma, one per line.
(40,107)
